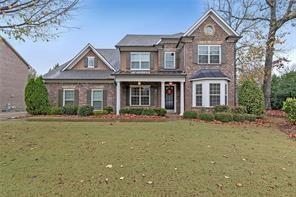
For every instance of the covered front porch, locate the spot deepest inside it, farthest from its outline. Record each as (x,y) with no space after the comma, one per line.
(150,91)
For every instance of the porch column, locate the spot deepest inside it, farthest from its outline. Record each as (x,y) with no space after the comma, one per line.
(117,97)
(181,98)
(162,94)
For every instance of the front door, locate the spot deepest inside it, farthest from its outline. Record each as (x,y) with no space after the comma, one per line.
(170,98)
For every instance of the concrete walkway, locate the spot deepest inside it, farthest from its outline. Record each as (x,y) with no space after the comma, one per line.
(12,115)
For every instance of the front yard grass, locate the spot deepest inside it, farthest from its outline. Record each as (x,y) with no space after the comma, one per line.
(177,158)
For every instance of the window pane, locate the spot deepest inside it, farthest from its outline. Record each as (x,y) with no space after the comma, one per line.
(135,65)
(91,61)
(69,94)
(135,100)
(203,50)
(215,50)
(145,100)
(97,105)
(135,91)
(135,57)
(203,59)
(97,95)
(214,88)
(145,91)
(214,100)
(145,57)
(198,100)
(214,59)
(199,89)
(145,65)
(169,60)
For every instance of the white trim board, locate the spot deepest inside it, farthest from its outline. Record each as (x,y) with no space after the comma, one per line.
(80,55)
(228,29)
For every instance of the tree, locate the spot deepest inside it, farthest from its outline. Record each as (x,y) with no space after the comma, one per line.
(36,97)
(37,19)
(251,97)
(268,16)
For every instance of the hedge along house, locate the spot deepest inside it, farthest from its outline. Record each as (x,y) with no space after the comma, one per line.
(183,71)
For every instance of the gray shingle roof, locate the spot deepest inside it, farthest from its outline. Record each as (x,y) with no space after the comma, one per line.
(111,55)
(208,73)
(144,40)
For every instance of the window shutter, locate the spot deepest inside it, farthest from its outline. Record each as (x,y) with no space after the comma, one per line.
(60,97)
(76,97)
(195,53)
(104,98)
(88,97)
(223,54)
(128,61)
(152,99)
(177,59)
(161,54)
(127,96)
(96,62)
(151,61)
(85,62)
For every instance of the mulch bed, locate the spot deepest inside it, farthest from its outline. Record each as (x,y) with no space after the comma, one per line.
(275,113)
(258,122)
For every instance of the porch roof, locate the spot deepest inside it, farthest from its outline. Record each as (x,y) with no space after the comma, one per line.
(150,76)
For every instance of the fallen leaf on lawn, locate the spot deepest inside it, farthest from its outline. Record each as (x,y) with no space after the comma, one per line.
(121,178)
(109,166)
(209,146)
(225,156)
(143,175)
(106,180)
(81,181)
(103,142)
(149,182)
(176,168)
(239,184)
(244,159)
(284,169)
(219,185)
(132,148)
(213,162)
(227,177)
(121,166)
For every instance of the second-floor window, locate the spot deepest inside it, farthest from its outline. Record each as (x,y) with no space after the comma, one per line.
(209,54)
(90,62)
(169,60)
(140,61)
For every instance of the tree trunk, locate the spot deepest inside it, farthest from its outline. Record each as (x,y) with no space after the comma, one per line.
(268,67)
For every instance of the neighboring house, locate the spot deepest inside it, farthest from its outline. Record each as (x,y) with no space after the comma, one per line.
(14,72)
(183,71)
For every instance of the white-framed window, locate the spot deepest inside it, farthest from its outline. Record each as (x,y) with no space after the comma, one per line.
(68,97)
(209,54)
(169,60)
(140,61)
(97,99)
(215,94)
(198,95)
(90,61)
(140,95)
(209,92)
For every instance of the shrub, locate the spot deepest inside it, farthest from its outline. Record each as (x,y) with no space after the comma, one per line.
(250,117)
(238,117)
(224,117)
(251,97)
(55,110)
(190,114)
(100,112)
(69,110)
(290,108)
(109,109)
(148,112)
(36,97)
(207,117)
(221,108)
(160,111)
(238,110)
(85,110)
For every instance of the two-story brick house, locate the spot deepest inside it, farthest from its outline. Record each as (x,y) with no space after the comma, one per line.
(183,71)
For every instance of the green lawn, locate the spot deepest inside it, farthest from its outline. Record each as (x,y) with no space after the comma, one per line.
(181,158)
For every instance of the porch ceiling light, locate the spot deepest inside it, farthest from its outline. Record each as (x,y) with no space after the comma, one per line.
(170,83)
(139,83)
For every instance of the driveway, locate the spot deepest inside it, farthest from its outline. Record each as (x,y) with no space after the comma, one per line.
(11,115)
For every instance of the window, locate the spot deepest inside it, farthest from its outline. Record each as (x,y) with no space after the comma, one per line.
(214,94)
(209,30)
(140,61)
(198,92)
(97,99)
(226,93)
(169,60)
(140,95)
(209,54)
(90,62)
(68,97)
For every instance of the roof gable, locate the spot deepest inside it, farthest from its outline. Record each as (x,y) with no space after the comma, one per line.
(221,22)
(81,54)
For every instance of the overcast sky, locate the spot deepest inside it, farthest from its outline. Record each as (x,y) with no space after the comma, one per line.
(104,22)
